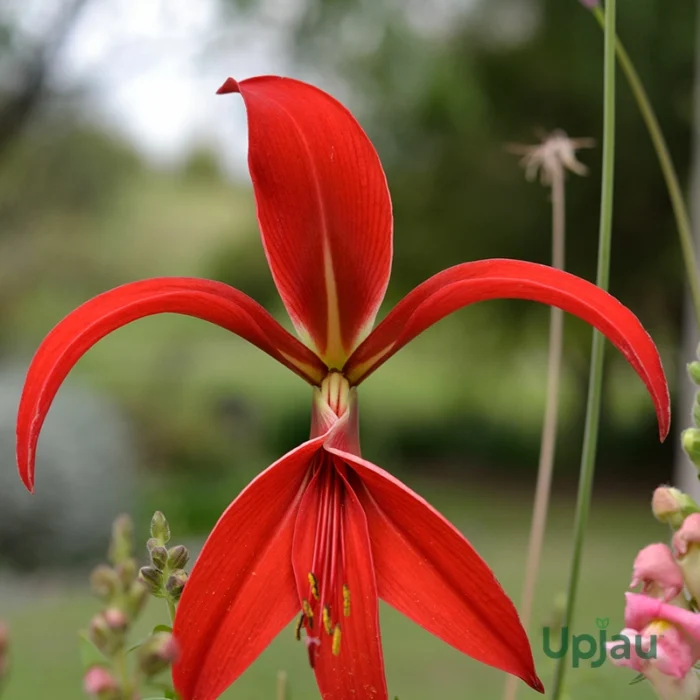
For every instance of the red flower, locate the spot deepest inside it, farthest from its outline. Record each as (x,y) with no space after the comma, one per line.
(322,533)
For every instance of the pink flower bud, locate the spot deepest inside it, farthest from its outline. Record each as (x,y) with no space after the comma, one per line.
(157,653)
(686,544)
(672,506)
(98,681)
(658,573)
(116,620)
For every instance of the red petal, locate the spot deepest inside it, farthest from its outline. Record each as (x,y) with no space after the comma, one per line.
(429,572)
(465,284)
(324,210)
(358,670)
(81,329)
(241,592)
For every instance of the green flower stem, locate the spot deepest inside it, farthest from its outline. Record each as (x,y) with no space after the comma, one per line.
(171,609)
(595,384)
(680,210)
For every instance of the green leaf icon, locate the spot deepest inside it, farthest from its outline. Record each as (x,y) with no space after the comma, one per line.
(602,622)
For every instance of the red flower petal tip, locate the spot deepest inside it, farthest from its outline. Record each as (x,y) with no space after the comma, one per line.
(230,85)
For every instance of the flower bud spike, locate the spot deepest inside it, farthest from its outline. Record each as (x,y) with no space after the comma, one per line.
(160,530)
(122,544)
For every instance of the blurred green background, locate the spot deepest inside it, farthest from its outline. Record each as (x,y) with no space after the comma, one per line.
(118,163)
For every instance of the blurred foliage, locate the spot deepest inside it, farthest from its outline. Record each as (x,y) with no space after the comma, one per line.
(441,88)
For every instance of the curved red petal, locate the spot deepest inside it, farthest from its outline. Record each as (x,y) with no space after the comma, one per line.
(241,592)
(357,671)
(81,329)
(428,571)
(323,207)
(465,284)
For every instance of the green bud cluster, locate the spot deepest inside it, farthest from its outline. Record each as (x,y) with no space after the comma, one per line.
(165,577)
(111,671)
(690,438)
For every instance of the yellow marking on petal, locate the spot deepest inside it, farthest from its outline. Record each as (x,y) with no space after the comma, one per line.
(311,372)
(308,612)
(346,600)
(335,354)
(314,585)
(357,373)
(326,616)
(336,641)
(300,624)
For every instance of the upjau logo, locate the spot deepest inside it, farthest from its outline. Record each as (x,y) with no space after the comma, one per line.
(587,647)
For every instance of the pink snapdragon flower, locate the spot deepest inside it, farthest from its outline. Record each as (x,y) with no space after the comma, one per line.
(659,574)
(661,641)
(686,543)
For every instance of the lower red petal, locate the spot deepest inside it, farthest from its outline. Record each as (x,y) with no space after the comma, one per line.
(241,592)
(357,671)
(427,570)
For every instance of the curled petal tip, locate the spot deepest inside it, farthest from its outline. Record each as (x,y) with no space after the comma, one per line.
(536,684)
(230,85)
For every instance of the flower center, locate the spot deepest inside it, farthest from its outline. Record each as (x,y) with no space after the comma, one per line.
(335,390)
(328,597)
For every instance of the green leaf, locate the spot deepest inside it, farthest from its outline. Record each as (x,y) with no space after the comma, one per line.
(90,655)
(602,622)
(162,628)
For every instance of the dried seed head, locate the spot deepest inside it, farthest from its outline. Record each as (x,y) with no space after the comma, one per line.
(550,158)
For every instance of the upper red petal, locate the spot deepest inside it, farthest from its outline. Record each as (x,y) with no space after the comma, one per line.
(323,207)
(81,329)
(427,570)
(241,591)
(358,670)
(465,284)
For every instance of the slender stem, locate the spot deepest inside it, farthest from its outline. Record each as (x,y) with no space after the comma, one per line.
(680,211)
(549,427)
(595,385)
(281,686)
(122,669)
(171,609)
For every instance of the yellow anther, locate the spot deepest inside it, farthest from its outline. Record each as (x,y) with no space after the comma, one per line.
(326,615)
(336,641)
(308,612)
(300,624)
(346,600)
(314,585)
